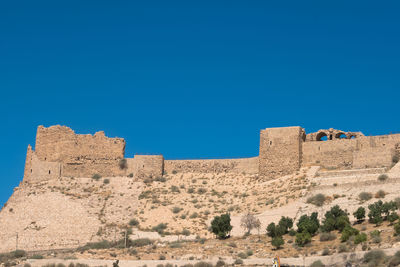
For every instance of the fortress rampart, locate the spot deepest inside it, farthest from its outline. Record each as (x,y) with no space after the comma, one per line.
(59,152)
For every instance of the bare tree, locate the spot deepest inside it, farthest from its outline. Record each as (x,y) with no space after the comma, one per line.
(249,222)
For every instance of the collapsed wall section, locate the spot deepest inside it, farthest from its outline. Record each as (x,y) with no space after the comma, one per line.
(280,151)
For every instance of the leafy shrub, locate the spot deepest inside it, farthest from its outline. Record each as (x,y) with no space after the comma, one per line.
(383,177)
(238,261)
(375,236)
(201,190)
(365,196)
(106,181)
(327,237)
(326,252)
(194,215)
(96,176)
(133,222)
(123,164)
(303,238)
(160,228)
(190,190)
(185,232)
(317,200)
(360,238)
(359,214)
(176,209)
(242,255)
(161,257)
(395,158)
(130,175)
(96,245)
(221,225)
(277,242)
(347,232)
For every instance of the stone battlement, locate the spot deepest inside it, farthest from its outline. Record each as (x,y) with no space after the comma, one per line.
(60,152)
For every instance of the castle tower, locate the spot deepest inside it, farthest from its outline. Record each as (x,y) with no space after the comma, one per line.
(280,151)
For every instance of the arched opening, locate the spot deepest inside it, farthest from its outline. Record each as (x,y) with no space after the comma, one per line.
(340,136)
(321,136)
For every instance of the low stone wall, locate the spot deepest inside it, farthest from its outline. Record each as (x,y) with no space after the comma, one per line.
(247,165)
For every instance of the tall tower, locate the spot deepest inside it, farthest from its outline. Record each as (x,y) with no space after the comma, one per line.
(280,151)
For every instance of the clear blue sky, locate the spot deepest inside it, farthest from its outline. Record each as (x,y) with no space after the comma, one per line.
(194,79)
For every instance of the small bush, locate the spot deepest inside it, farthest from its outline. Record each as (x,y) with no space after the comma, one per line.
(203,264)
(130,175)
(397,229)
(242,255)
(383,177)
(36,257)
(395,158)
(277,242)
(380,194)
(365,196)
(162,257)
(160,228)
(327,237)
(342,248)
(201,190)
(317,200)
(374,257)
(220,263)
(185,232)
(141,242)
(96,176)
(190,190)
(360,238)
(106,181)
(317,263)
(303,238)
(194,215)
(160,179)
(133,222)
(238,261)
(326,252)
(175,189)
(176,209)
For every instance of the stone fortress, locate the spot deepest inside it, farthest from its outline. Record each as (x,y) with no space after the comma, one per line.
(59,152)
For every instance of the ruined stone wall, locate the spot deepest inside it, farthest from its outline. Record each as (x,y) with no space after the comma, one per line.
(145,166)
(247,165)
(362,152)
(80,155)
(280,151)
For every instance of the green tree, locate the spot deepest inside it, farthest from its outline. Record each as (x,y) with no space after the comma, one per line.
(221,225)
(359,214)
(392,217)
(277,242)
(285,223)
(335,219)
(375,212)
(309,224)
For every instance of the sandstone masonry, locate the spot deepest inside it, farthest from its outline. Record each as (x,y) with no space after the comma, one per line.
(59,152)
